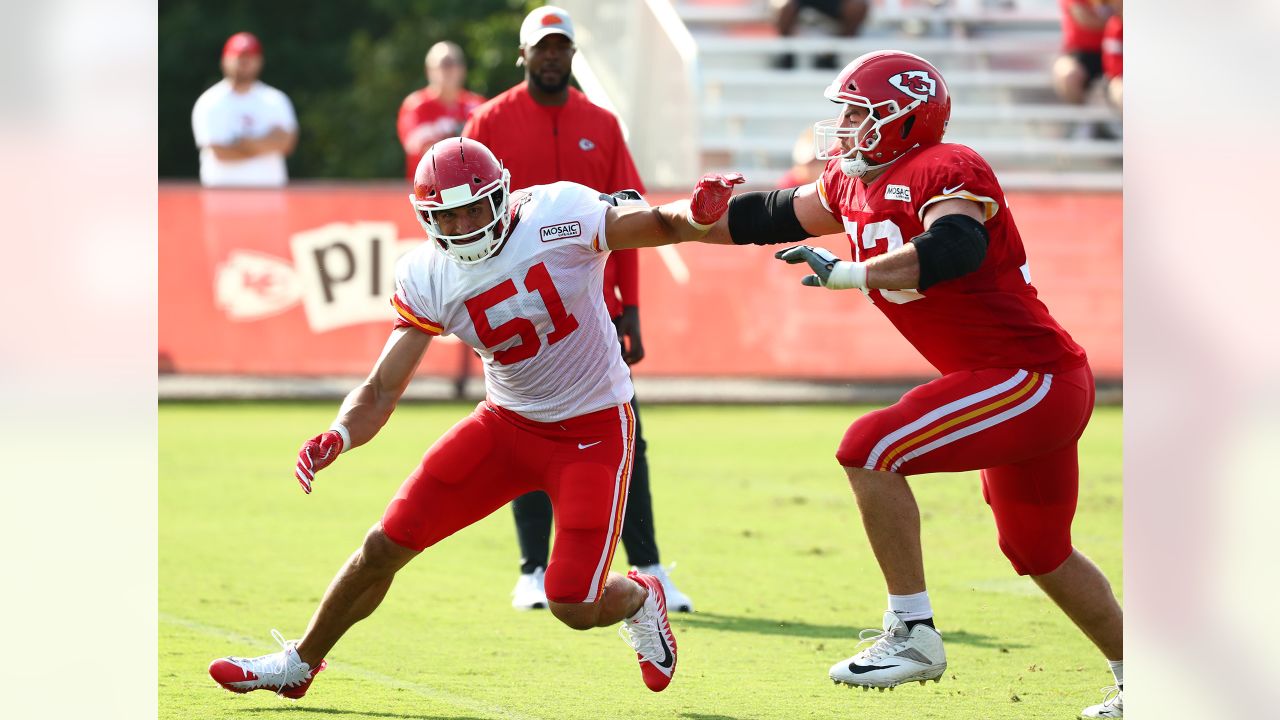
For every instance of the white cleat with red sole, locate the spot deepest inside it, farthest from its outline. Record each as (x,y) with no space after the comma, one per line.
(648,632)
(283,673)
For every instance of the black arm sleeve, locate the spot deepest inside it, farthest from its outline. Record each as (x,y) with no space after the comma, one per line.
(953,246)
(765,218)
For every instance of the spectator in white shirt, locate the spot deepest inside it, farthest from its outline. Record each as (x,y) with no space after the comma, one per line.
(244,128)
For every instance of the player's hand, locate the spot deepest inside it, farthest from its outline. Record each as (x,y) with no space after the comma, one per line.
(317,454)
(822,261)
(628,325)
(829,271)
(711,198)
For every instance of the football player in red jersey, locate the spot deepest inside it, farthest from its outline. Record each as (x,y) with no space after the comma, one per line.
(517,277)
(936,249)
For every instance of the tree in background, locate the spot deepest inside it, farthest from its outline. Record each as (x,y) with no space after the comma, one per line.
(346,66)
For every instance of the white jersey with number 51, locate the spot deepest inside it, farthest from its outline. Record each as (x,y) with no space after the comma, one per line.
(533,310)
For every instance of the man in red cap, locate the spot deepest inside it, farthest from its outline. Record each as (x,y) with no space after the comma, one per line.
(243,127)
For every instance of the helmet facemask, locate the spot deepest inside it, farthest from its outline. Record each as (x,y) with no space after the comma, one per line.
(882,119)
(481,243)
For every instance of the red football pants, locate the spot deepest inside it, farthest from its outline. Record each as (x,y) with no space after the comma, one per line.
(1019,428)
(494,455)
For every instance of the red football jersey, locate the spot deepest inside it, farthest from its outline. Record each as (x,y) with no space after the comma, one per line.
(989,318)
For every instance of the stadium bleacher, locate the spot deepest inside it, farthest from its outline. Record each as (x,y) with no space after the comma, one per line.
(744,114)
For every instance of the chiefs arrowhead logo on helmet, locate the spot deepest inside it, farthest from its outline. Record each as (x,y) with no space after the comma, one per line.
(915,83)
(906,103)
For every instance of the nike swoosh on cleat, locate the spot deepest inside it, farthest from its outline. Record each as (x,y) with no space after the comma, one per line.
(584,447)
(857,669)
(667,659)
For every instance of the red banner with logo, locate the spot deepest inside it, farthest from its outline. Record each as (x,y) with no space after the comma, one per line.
(298,282)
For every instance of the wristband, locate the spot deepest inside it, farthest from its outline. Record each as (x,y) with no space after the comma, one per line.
(699,226)
(846,275)
(343,433)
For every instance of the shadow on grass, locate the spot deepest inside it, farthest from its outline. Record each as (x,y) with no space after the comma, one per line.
(793,628)
(291,709)
(704,716)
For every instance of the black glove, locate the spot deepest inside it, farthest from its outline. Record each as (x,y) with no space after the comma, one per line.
(628,326)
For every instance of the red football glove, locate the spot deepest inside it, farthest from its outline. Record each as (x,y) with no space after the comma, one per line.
(711,198)
(317,454)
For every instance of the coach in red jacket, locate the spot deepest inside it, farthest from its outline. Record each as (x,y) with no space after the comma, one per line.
(546,131)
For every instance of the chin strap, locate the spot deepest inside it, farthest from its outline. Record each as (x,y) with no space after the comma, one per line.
(857,166)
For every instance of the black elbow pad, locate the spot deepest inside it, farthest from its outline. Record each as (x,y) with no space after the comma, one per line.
(765,218)
(953,246)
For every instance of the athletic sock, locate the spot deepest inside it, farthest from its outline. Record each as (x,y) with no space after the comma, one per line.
(911,607)
(1117,669)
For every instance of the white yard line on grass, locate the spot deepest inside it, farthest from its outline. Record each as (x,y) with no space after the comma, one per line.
(458,701)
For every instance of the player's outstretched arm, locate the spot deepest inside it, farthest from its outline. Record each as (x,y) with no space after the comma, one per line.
(953,244)
(366,408)
(676,222)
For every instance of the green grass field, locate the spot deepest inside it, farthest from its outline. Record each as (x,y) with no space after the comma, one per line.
(748,501)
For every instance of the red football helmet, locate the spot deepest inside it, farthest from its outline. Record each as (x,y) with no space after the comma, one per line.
(456,172)
(907,102)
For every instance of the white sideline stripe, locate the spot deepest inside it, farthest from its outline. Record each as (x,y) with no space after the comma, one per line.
(937,413)
(675,264)
(618,489)
(458,701)
(1013,412)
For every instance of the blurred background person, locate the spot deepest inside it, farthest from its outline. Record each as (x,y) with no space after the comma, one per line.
(1113,54)
(438,110)
(805,166)
(546,131)
(1080,64)
(849,16)
(243,127)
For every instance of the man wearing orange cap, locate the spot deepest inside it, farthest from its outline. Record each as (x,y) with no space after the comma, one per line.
(244,128)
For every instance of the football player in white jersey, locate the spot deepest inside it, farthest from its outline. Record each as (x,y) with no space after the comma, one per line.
(516,276)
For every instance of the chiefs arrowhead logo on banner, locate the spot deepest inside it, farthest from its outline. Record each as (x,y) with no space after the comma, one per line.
(342,274)
(251,285)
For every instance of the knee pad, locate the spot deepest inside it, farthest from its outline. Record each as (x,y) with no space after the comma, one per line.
(1036,556)
(857,442)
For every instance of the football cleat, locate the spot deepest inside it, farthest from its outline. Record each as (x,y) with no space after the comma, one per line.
(530,591)
(648,632)
(282,672)
(676,600)
(1112,705)
(896,655)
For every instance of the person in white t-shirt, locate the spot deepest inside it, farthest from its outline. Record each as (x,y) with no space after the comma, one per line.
(517,276)
(244,128)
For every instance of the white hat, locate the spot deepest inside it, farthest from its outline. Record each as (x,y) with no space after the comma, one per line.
(546,20)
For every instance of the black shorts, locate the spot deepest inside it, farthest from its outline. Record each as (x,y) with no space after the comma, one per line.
(830,8)
(1091,62)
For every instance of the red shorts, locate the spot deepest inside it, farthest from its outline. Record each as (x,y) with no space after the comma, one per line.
(1019,428)
(495,455)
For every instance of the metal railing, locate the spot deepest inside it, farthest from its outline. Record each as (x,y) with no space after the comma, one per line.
(638,59)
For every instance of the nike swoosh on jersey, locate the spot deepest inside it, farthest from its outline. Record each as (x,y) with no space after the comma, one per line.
(949,190)
(584,447)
